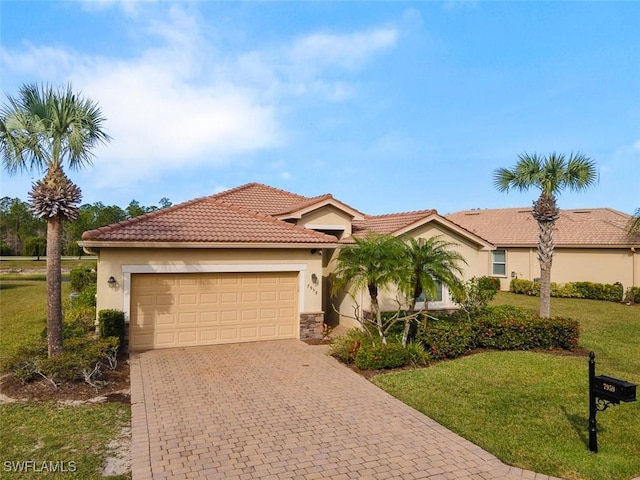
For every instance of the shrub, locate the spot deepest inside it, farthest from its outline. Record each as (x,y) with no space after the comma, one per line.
(489,283)
(78,321)
(446,338)
(81,278)
(345,347)
(632,295)
(476,294)
(590,290)
(380,356)
(22,363)
(86,298)
(81,356)
(524,287)
(506,327)
(416,354)
(111,324)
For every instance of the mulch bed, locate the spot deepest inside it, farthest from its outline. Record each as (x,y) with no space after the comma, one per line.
(116,388)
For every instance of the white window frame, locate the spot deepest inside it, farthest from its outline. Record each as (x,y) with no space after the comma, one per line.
(494,263)
(444,302)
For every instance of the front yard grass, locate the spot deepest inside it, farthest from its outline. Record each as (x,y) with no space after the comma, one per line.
(531,409)
(48,431)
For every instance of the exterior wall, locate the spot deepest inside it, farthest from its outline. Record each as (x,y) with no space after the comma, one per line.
(327,216)
(478,263)
(576,265)
(112,260)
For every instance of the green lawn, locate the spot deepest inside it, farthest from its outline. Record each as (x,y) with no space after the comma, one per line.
(46,431)
(531,409)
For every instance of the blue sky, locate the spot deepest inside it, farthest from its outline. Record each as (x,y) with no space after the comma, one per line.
(389,106)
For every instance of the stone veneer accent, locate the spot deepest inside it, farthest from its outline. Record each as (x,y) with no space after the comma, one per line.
(311,325)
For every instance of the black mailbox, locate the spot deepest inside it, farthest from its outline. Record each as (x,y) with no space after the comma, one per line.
(613,389)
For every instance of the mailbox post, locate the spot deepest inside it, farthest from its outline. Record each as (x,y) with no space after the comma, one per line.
(604,391)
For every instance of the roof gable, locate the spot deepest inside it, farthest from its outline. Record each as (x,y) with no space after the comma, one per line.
(315,203)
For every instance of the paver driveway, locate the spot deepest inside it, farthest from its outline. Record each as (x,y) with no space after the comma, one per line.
(284,409)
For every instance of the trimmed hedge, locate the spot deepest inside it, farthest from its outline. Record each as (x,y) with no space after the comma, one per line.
(588,290)
(447,338)
(506,327)
(111,324)
(502,327)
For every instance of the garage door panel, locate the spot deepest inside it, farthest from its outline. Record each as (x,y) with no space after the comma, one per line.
(169,310)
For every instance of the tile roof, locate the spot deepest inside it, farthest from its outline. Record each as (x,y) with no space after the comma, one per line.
(261,198)
(516,226)
(389,223)
(209,220)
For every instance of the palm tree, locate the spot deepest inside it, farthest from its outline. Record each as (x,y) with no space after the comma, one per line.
(432,261)
(374,262)
(44,129)
(550,174)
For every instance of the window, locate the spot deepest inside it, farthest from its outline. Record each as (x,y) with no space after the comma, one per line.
(499,263)
(437,298)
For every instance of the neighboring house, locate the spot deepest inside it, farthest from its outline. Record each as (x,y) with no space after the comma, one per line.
(591,245)
(252,263)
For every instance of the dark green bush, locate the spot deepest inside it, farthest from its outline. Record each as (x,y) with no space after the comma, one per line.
(345,347)
(81,278)
(589,290)
(377,357)
(447,338)
(111,324)
(506,327)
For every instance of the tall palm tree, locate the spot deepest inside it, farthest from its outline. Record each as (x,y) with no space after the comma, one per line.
(432,261)
(44,129)
(374,262)
(550,174)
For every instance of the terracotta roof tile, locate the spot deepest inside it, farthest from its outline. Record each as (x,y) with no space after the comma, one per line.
(210,220)
(516,226)
(261,198)
(389,223)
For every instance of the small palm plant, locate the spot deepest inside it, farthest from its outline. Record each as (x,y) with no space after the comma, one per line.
(43,129)
(373,263)
(432,261)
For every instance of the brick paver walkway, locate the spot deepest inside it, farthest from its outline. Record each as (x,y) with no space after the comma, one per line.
(284,409)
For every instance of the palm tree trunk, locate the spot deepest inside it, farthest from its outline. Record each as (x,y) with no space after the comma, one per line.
(546,246)
(54,286)
(375,311)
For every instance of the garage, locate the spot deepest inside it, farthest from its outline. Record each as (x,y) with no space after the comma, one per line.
(188,309)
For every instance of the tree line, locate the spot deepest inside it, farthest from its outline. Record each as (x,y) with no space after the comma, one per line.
(22,233)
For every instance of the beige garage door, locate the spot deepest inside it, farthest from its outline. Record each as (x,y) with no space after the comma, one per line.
(185,309)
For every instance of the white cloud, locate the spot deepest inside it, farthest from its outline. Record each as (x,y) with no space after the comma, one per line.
(182,104)
(344,50)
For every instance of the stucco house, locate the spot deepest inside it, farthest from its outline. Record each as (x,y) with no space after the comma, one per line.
(254,263)
(591,245)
